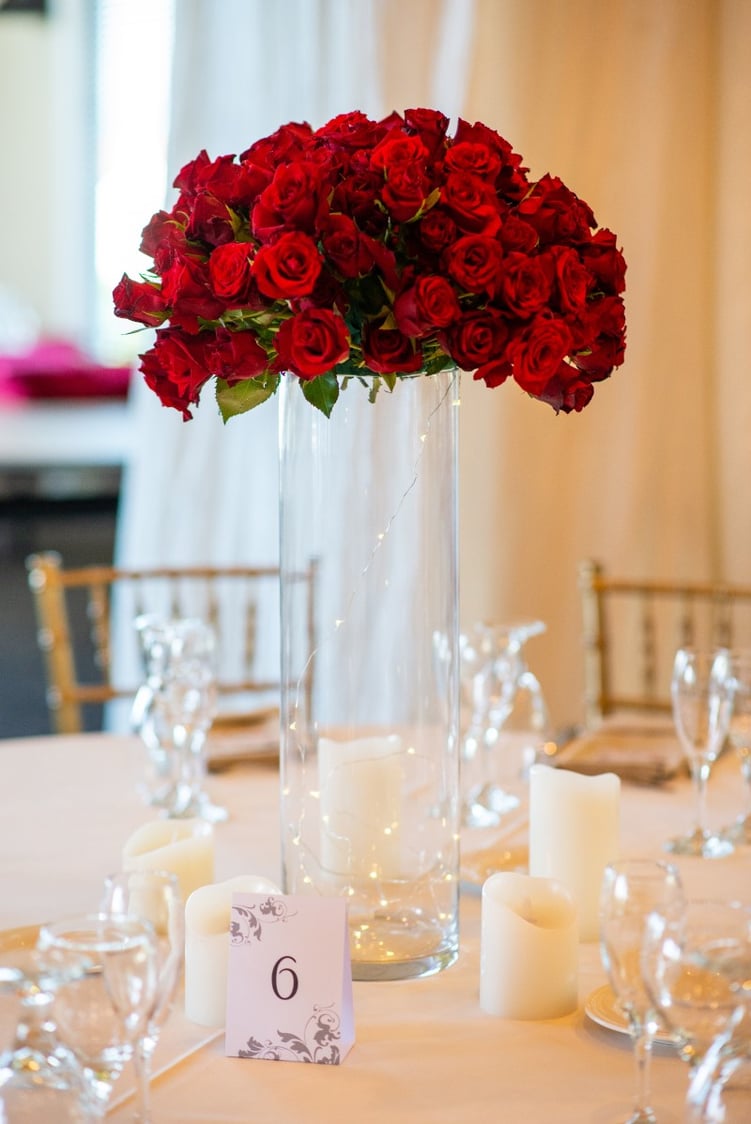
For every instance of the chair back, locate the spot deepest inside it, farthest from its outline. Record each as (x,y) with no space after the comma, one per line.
(80,610)
(632,629)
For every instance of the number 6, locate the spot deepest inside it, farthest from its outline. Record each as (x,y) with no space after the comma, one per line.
(278,971)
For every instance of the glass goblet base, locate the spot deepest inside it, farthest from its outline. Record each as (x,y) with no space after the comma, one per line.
(701,844)
(739,832)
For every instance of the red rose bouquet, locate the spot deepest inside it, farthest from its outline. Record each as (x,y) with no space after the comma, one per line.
(379,249)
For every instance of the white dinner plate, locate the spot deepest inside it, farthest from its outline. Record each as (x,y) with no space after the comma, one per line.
(602,1008)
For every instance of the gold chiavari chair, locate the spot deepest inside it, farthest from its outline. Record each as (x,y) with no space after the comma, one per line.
(631,630)
(240,603)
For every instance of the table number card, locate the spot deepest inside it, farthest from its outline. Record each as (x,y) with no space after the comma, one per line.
(289,984)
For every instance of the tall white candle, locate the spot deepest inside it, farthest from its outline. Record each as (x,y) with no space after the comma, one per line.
(360,785)
(207,921)
(574,832)
(529,950)
(185,847)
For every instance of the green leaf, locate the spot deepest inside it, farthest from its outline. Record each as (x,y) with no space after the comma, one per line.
(322,392)
(244,395)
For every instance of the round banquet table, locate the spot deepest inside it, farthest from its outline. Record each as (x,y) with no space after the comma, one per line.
(424,1050)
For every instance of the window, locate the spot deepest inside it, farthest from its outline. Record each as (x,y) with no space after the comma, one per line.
(133,50)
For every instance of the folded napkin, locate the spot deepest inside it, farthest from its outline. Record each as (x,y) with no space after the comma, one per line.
(642,755)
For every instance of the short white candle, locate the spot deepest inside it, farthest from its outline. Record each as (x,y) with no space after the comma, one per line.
(207,920)
(185,847)
(360,784)
(574,832)
(529,951)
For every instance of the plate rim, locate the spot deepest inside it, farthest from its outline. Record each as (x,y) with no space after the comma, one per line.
(615,1021)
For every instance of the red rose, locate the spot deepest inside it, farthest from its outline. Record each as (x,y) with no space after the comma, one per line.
(405,192)
(210,221)
(237,185)
(538,351)
(358,195)
(567,390)
(495,373)
(476,338)
(351,131)
(403,162)
(429,303)
(176,368)
(288,267)
(344,245)
(185,287)
(606,261)
(164,234)
(512,182)
(230,273)
(188,179)
(472,203)
(556,213)
(471,158)
(475,263)
(599,337)
(237,356)
(399,151)
(526,283)
(312,343)
(437,229)
(387,351)
(139,301)
(288,143)
(430,125)
(517,234)
(291,201)
(573,280)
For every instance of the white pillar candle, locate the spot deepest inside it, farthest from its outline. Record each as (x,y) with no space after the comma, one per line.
(574,829)
(360,784)
(529,948)
(207,921)
(185,847)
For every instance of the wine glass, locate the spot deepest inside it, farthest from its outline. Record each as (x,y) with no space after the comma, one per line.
(696,963)
(702,703)
(739,736)
(102,1013)
(154,896)
(173,711)
(40,1079)
(631,890)
(154,641)
(505,718)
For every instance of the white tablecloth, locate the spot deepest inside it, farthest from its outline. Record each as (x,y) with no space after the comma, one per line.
(424,1050)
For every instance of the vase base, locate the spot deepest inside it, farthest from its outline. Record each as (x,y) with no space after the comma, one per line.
(404,969)
(400,944)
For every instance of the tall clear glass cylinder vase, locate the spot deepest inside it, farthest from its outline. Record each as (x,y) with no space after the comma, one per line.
(370,683)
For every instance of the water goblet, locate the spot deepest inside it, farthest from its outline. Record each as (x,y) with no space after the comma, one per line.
(153,896)
(504,718)
(173,711)
(101,1013)
(154,641)
(631,890)
(702,703)
(40,1079)
(696,964)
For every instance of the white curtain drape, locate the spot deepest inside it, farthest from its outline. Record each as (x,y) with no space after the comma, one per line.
(642,109)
